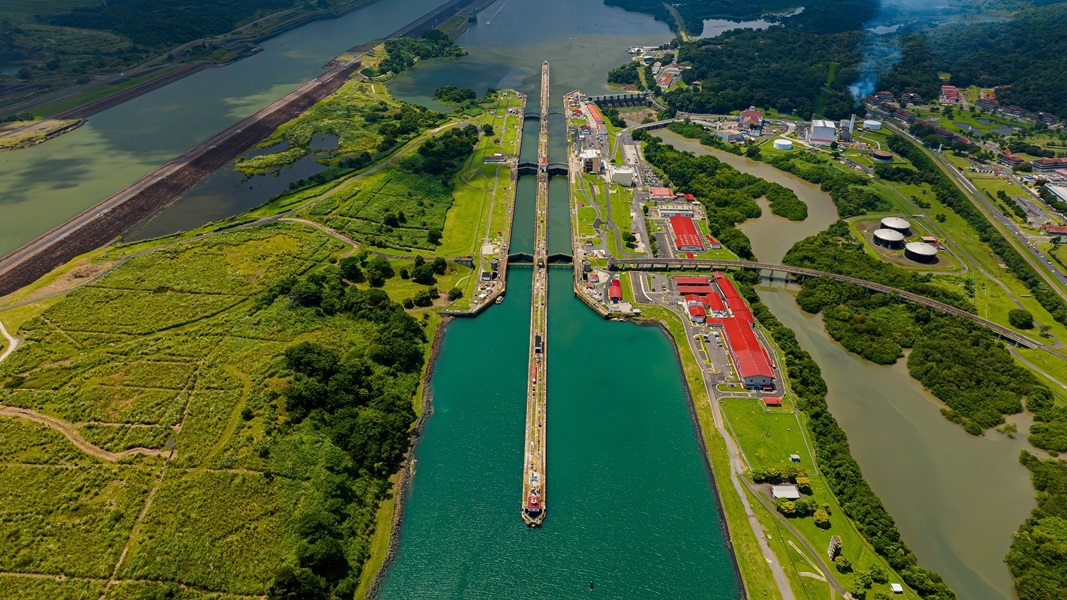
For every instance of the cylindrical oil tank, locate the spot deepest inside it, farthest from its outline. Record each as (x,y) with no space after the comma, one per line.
(889,238)
(896,223)
(920,252)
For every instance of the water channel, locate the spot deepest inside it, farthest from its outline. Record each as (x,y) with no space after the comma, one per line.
(632,507)
(46,184)
(631,504)
(956,498)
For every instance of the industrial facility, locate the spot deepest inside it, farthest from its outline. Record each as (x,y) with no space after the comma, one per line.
(686,235)
(889,238)
(704,302)
(920,252)
(896,224)
(822,133)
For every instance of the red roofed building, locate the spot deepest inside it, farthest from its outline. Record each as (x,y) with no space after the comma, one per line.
(699,290)
(727,286)
(772,401)
(752,119)
(598,118)
(683,280)
(1009,159)
(1057,230)
(660,194)
(751,360)
(1049,164)
(615,291)
(689,197)
(714,302)
(697,314)
(686,237)
(713,243)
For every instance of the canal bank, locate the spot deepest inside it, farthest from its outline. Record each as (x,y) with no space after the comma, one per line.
(46,184)
(633,506)
(957,499)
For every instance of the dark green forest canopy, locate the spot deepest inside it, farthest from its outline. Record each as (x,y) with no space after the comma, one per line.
(1028,52)
(805,69)
(821,16)
(781,68)
(156,23)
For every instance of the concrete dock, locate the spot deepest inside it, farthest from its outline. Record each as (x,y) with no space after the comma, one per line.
(533,476)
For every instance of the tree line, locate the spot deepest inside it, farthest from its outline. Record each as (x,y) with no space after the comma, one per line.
(949,195)
(1027,52)
(727,195)
(849,191)
(358,400)
(842,472)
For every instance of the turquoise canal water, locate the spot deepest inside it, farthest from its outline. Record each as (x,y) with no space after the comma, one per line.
(630,504)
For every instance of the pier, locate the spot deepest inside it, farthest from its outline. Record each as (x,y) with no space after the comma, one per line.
(533,469)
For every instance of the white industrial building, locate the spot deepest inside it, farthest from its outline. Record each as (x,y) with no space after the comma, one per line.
(623,176)
(590,160)
(822,132)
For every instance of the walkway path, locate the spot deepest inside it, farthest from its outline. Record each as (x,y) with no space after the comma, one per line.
(70,432)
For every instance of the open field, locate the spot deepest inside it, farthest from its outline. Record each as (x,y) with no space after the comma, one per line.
(176,367)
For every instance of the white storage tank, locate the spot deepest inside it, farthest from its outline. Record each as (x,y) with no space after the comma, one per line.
(896,223)
(889,238)
(920,252)
(872,124)
(781,144)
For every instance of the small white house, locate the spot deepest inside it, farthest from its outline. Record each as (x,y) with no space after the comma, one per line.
(896,588)
(787,492)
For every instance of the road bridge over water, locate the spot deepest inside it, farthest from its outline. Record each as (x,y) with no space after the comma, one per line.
(671,264)
(534,450)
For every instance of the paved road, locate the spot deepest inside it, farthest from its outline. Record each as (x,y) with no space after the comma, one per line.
(1042,264)
(12,342)
(615,264)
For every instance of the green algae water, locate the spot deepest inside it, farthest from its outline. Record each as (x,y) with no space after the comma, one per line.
(631,505)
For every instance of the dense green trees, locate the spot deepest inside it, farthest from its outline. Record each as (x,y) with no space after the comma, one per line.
(625,75)
(165,23)
(405,52)
(358,401)
(454,95)
(1027,52)
(961,363)
(728,196)
(832,452)
(1020,318)
(949,195)
(443,155)
(782,68)
(1039,548)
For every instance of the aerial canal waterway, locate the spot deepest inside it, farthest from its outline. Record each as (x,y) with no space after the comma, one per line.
(633,508)
(956,498)
(44,185)
(632,505)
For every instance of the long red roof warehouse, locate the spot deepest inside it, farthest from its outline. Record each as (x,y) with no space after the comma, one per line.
(751,359)
(714,301)
(727,287)
(615,290)
(685,233)
(683,280)
(696,289)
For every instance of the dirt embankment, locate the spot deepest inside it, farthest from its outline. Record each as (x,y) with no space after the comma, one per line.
(95,232)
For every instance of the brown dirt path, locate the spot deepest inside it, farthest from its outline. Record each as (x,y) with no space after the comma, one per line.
(71,433)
